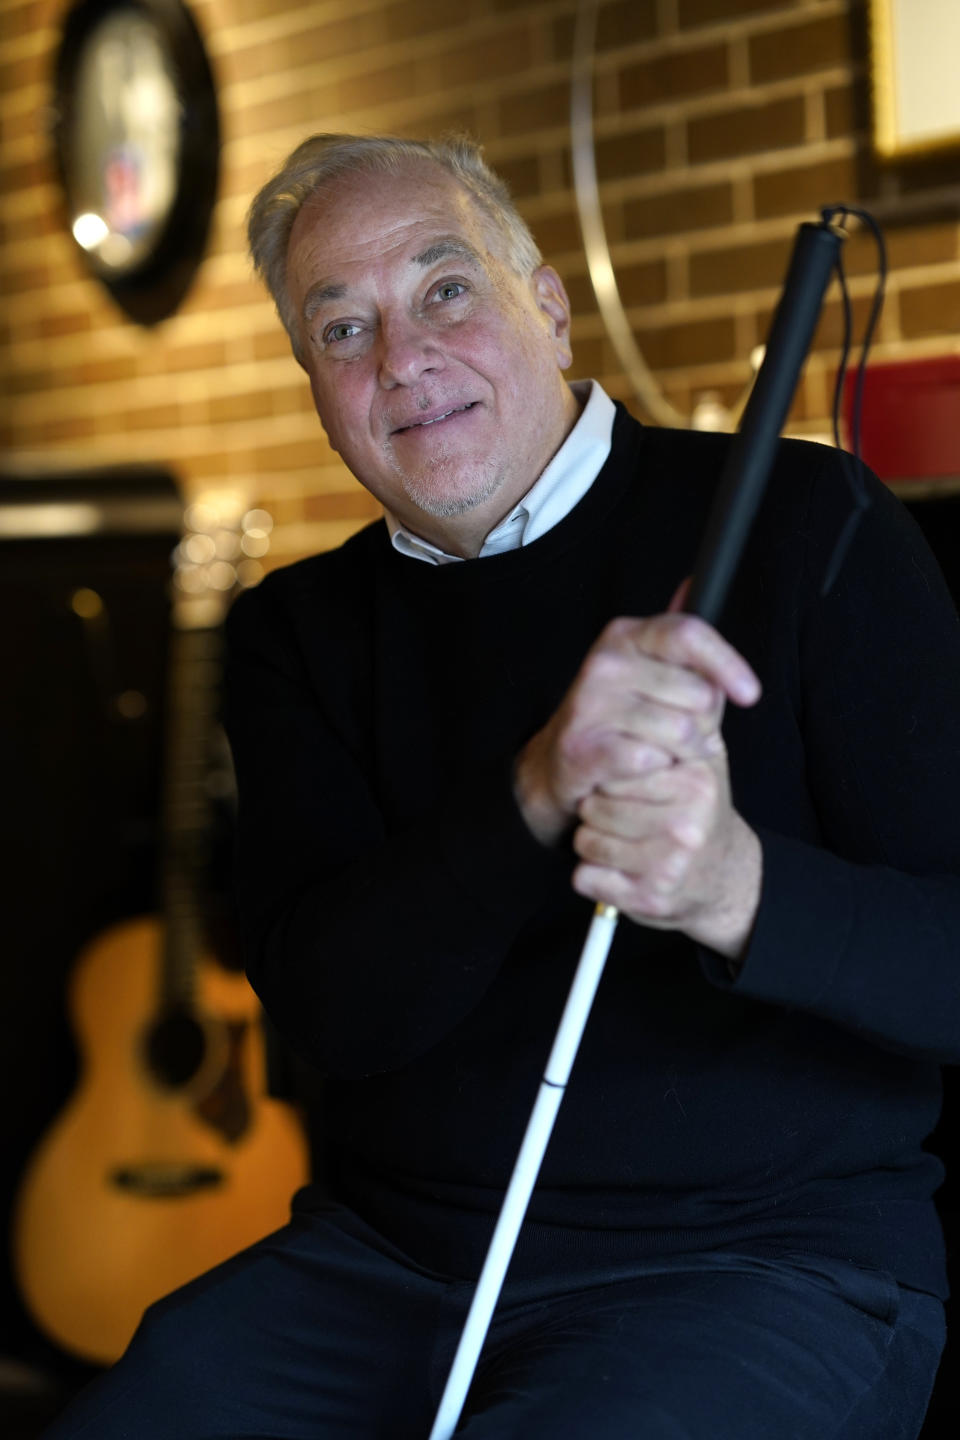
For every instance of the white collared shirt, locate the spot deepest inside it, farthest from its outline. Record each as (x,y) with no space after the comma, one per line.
(563,483)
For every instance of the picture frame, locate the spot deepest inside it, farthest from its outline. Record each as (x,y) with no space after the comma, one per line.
(913,47)
(137,140)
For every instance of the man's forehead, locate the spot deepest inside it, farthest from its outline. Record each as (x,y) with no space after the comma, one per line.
(423,253)
(432,216)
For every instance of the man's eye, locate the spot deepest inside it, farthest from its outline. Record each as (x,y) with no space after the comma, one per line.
(342,331)
(450,289)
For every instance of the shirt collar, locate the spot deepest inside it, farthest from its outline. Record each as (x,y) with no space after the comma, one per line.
(563,483)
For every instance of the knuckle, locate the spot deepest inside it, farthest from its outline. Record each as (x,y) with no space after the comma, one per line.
(602,667)
(703,783)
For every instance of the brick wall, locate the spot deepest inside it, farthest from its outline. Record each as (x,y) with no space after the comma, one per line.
(720,125)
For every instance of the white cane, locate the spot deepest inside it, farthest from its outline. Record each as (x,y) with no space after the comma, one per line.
(739,493)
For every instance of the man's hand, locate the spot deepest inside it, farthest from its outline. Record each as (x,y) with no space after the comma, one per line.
(634,759)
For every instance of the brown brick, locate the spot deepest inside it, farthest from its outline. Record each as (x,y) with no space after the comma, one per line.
(248,406)
(742,267)
(202,355)
(747,130)
(65,323)
(804,189)
(643,284)
(590,358)
(522,175)
(214,464)
(33,382)
(930,173)
(152,417)
(29,277)
(310,46)
(674,76)
(300,106)
(694,209)
(618,24)
(802,49)
(830,327)
(69,427)
(224,296)
(24,175)
(932,244)
(195,412)
(290,455)
(270,344)
(100,372)
(561,34)
(20,20)
(580,294)
(934,310)
(847,109)
(623,22)
(504,53)
(557,233)
(533,110)
(420,17)
(378,87)
(700,342)
(704,12)
(41,223)
(291,399)
(455,120)
(23,126)
(27,70)
(353,504)
(640,152)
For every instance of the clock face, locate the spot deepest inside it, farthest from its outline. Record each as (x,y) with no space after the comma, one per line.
(137,139)
(125,146)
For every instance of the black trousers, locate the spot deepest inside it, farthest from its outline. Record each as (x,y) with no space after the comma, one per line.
(324,1331)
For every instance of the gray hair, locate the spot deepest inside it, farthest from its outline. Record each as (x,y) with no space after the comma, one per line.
(323,158)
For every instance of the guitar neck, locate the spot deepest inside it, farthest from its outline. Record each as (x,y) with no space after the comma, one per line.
(187,808)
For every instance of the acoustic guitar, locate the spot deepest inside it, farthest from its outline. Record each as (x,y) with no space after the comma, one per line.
(170,1156)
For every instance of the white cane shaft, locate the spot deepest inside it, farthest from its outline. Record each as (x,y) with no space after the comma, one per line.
(526,1169)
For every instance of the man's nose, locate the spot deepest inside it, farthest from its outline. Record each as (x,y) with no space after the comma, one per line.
(407,351)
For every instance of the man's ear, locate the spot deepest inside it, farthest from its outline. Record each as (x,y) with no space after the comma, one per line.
(553,302)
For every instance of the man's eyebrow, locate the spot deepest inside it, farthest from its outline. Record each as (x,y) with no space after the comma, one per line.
(446,248)
(318,294)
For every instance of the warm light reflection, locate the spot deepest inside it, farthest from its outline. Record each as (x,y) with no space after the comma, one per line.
(201,517)
(220,575)
(255,542)
(258,520)
(199,548)
(86,603)
(90,230)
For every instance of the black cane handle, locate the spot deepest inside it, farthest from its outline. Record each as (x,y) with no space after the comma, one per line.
(744,476)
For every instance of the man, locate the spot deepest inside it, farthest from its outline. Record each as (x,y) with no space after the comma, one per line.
(452,736)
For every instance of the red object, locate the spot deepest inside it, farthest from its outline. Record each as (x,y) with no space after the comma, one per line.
(910,427)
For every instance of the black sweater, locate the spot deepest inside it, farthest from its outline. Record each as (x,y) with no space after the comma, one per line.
(415,943)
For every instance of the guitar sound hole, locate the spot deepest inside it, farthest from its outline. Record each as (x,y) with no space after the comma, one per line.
(166,1178)
(175,1047)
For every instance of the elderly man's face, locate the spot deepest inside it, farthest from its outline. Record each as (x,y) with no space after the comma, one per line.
(435,369)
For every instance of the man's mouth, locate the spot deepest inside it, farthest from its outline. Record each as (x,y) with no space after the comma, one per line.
(435,419)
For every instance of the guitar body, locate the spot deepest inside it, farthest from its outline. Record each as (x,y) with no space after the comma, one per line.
(162,1164)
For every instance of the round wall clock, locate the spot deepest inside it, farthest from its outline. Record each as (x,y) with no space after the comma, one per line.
(137,140)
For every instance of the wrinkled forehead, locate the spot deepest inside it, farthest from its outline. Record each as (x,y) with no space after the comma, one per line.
(364,213)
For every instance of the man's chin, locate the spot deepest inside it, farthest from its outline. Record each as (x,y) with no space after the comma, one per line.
(446,501)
